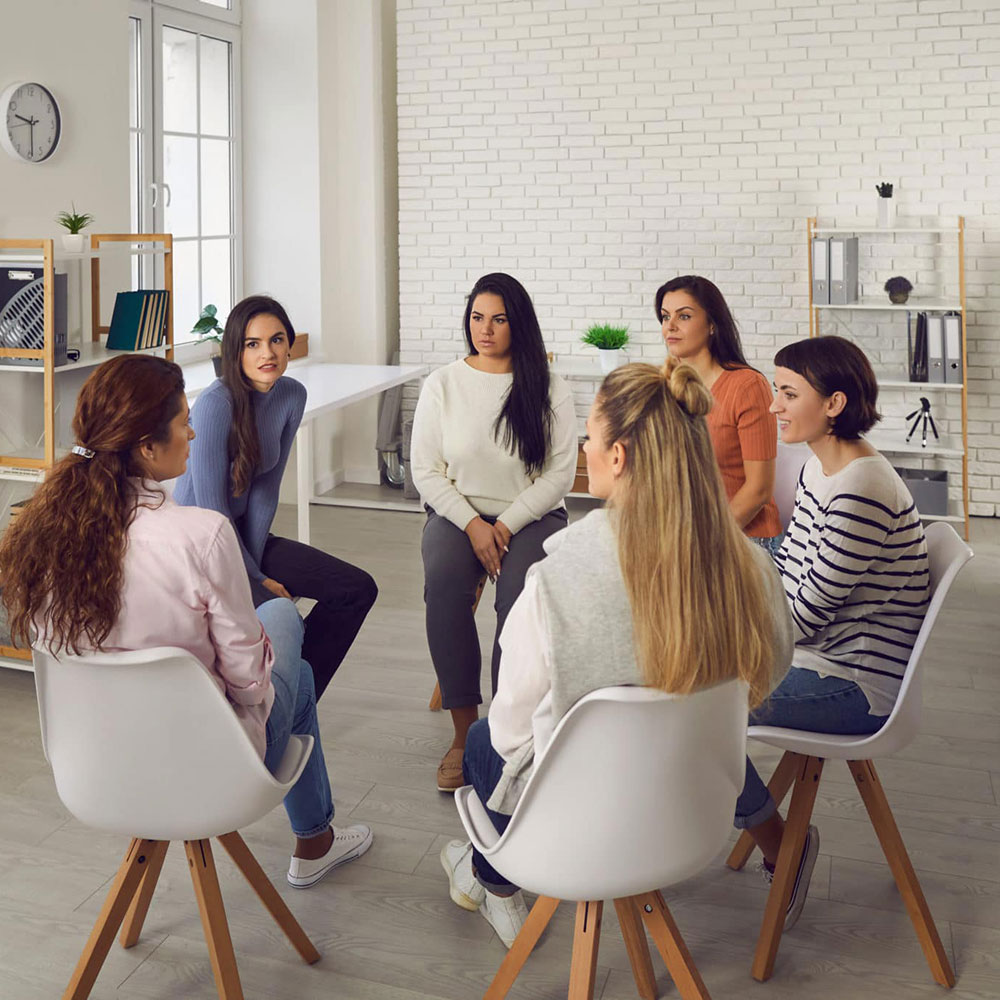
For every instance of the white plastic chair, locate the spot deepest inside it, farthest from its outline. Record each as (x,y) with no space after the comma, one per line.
(787,466)
(144,744)
(802,764)
(636,791)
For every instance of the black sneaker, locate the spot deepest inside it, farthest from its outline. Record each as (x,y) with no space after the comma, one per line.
(802,877)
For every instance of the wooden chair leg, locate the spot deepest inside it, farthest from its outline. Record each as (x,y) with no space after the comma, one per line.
(660,924)
(781,781)
(873,795)
(244,860)
(213,919)
(524,943)
(808,772)
(586,941)
(130,874)
(637,947)
(435,702)
(136,916)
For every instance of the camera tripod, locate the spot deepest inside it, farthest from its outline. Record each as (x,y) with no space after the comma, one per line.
(921,418)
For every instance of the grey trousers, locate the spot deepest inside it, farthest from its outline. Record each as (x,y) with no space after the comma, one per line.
(451,572)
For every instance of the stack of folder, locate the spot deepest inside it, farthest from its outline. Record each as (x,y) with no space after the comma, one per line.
(944,346)
(139,320)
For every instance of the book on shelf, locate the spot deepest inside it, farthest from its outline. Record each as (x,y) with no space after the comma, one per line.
(139,320)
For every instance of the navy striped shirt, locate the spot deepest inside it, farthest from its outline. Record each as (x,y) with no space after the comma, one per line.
(854,566)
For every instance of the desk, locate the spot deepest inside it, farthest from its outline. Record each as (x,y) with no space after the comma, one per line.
(329,387)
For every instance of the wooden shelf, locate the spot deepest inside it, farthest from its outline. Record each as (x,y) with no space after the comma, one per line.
(92,353)
(902,383)
(896,444)
(882,304)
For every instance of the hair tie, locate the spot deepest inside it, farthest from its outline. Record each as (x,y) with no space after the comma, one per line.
(78,449)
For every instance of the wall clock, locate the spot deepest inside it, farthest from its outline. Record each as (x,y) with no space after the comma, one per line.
(30,124)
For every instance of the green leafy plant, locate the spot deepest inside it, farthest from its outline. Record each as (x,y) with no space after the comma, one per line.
(74,222)
(606,337)
(207,327)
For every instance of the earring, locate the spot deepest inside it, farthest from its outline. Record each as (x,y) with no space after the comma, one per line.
(711,332)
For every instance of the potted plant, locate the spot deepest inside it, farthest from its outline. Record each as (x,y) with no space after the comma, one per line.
(74,223)
(899,290)
(886,213)
(207,329)
(609,341)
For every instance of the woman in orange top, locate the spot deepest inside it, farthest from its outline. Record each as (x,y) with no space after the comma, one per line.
(699,328)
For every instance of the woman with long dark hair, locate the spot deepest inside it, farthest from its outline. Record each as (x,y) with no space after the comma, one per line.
(102,558)
(493,454)
(699,328)
(245,423)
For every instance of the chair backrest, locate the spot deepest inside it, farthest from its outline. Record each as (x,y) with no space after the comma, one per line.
(946,554)
(144,744)
(787,466)
(635,791)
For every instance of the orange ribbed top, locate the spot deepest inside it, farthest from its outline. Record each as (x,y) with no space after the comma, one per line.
(743,429)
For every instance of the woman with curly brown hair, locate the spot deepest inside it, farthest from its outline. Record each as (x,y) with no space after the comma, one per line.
(102,559)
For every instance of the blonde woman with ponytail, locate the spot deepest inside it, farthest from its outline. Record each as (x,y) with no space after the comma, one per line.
(659,588)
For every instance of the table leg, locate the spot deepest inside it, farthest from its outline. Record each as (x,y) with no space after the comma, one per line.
(304,477)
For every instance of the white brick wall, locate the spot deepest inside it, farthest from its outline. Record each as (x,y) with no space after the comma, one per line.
(595,148)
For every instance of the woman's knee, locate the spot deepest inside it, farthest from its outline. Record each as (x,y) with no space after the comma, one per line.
(280,616)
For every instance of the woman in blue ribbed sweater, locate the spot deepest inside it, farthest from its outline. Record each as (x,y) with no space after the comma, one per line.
(245,423)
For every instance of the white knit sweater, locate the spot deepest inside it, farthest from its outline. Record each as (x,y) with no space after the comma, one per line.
(459,467)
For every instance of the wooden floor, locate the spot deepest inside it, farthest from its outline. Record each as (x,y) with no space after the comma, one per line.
(385,925)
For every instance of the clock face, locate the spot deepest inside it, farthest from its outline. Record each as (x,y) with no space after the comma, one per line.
(30,125)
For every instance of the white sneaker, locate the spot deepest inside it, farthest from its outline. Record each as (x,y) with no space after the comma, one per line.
(348,843)
(506,915)
(463,887)
(800,887)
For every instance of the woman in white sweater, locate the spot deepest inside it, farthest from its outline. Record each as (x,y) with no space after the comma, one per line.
(644,592)
(493,455)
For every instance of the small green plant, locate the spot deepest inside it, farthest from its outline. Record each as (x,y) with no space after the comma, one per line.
(606,337)
(884,189)
(74,222)
(207,327)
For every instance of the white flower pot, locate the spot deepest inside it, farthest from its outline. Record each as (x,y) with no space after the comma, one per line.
(610,360)
(886,212)
(72,242)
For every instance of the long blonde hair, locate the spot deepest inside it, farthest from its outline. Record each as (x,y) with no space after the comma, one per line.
(699,612)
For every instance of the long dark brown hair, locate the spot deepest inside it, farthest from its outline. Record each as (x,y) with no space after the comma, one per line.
(725,346)
(524,425)
(244,443)
(61,560)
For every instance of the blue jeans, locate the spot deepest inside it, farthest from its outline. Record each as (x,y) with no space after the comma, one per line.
(309,803)
(481,768)
(771,545)
(803,700)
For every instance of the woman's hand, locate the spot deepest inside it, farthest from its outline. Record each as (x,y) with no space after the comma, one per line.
(484,544)
(503,536)
(276,588)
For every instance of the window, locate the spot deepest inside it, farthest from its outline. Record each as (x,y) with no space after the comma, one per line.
(190,136)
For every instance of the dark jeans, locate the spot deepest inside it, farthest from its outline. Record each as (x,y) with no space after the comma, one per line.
(803,700)
(451,572)
(344,596)
(481,768)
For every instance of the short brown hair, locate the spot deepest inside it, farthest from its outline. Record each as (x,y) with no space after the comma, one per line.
(833,364)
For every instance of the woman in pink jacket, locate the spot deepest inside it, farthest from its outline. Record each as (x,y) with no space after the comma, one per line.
(101,558)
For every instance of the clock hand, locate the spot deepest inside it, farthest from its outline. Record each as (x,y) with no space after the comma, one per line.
(27,121)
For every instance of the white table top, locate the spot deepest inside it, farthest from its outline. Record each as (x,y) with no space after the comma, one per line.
(329,386)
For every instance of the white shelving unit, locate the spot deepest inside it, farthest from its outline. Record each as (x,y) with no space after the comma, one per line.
(887,441)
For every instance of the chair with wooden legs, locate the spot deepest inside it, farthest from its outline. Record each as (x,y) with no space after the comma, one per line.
(635,791)
(435,703)
(801,767)
(145,745)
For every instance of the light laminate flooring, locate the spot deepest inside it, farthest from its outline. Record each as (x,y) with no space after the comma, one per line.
(385,925)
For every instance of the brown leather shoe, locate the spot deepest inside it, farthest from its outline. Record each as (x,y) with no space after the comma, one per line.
(450,770)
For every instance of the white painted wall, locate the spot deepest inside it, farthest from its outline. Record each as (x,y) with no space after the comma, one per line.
(80,52)
(595,149)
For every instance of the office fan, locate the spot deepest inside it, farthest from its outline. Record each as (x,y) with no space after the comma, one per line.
(22,320)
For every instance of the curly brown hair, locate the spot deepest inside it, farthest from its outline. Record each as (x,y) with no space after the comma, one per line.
(61,561)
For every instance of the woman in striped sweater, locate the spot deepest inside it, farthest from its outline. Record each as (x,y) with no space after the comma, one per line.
(854,567)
